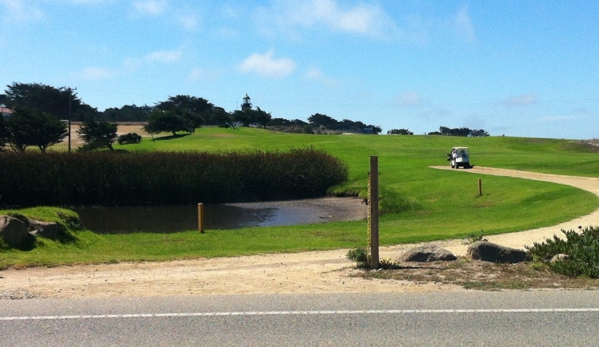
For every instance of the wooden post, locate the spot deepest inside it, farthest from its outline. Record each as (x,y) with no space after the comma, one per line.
(201,218)
(373,206)
(480,187)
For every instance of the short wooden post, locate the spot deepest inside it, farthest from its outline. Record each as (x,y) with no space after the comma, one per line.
(480,187)
(373,205)
(201,218)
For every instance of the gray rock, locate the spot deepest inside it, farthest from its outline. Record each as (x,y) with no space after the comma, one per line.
(14,232)
(487,251)
(559,257)
(50,230)
(428,254)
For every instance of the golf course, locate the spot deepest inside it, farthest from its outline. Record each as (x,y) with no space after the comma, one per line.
(418,203)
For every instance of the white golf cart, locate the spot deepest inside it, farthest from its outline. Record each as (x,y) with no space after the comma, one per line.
(459,156)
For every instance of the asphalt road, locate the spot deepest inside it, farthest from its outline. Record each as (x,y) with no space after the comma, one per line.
(536,318)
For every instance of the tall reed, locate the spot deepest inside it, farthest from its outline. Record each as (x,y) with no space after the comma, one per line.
(163,178)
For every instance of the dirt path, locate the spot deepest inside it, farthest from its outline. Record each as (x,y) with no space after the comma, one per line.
(310,272)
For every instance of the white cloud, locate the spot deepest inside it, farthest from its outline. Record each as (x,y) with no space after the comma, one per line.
(315,74)
(129,65)
(364,18)
(189,21)
(267,66)
(20,11)
(150,7)
(520,100)
(463,25)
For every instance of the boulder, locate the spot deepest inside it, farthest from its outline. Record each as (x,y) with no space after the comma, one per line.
(428,254)
(15,233)
(558,257)
(49,230)
(487,251)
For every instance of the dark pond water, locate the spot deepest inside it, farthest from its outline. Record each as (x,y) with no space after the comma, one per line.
(170,219)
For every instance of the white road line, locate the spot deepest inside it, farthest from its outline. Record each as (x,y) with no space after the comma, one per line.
(299,313)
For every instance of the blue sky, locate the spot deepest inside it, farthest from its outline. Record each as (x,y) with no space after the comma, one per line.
(514,68)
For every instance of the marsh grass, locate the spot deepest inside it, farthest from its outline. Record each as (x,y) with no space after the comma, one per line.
(165,178)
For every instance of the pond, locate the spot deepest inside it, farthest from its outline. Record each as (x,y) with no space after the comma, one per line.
(171,219)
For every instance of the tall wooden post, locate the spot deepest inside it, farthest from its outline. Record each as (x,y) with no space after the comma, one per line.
(480,187)
(201,218)
(373,212)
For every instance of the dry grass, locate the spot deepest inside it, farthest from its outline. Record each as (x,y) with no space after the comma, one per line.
(472,274)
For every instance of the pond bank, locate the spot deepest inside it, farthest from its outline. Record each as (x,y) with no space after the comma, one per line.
(169,219)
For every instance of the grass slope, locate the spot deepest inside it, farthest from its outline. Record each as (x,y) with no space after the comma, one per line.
(421,203)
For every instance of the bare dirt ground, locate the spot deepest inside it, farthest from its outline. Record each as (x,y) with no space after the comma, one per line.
(310,272)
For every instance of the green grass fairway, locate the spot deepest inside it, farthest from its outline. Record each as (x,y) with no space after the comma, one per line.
(421,204)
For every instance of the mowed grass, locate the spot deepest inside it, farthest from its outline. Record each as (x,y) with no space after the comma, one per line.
(420,203)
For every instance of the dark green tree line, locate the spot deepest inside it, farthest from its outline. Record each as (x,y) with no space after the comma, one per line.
(60,103)
(330,123)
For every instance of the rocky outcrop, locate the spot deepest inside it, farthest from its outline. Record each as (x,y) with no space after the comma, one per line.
(428,254)
(20,232)
(487,251)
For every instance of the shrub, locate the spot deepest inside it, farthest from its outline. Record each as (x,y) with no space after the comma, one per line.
(581,247)
(360,256)
(129,138)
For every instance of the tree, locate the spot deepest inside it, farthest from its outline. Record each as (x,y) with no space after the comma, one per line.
(374,129)
(243,117)
(195,110)
(478,133)
(318,119)
(28,127)
(58,102)
(127,113)
(3,133)
(166,121)
(219,117)
(261,117)
(346,125)
(455,131)
(97,134)
(399,132)
(199,106)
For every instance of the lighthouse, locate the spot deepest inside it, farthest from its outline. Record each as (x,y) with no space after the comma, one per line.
(247,103)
